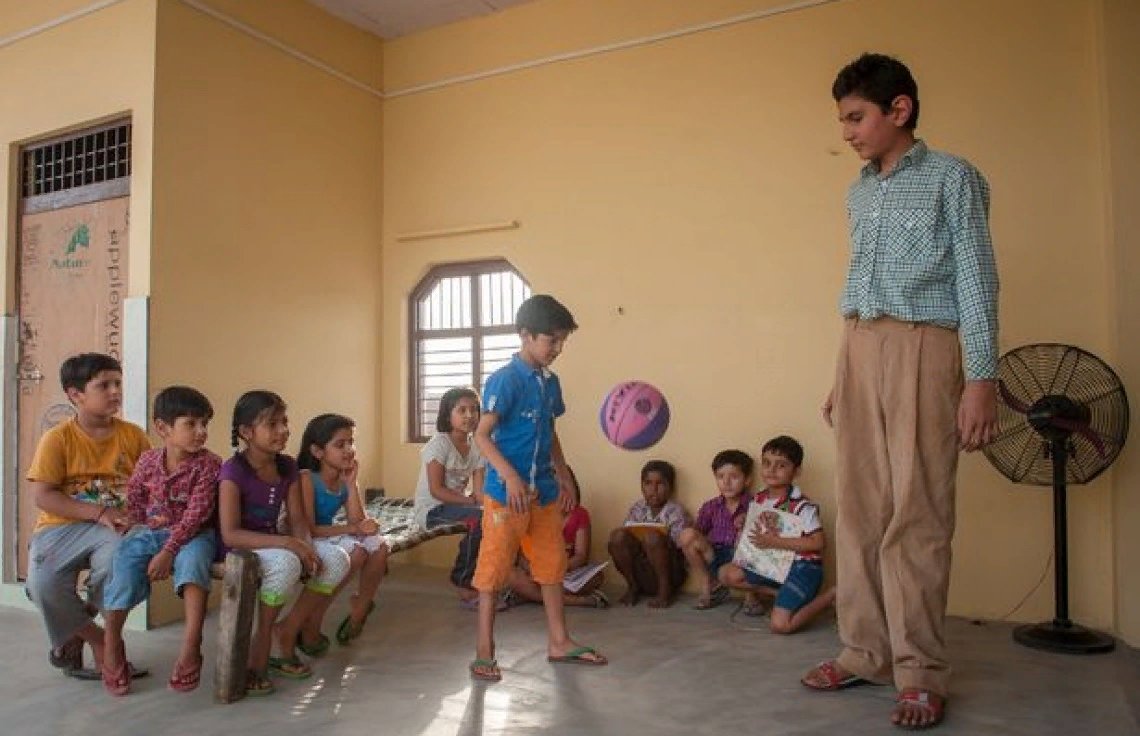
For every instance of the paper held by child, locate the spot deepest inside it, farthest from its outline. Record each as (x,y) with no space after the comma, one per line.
(641,529)
(574,580)
(771,563)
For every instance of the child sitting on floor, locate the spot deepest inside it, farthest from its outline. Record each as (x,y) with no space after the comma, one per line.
(796,599)
(711,543)
(171,498)
(327,460)
(646,550)
(576,535)
(254,484)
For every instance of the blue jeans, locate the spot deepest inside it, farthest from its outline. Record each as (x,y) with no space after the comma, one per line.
(448,513)
(129,585)
(804,579)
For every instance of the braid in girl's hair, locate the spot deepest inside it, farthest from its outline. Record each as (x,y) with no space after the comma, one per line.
(252,406)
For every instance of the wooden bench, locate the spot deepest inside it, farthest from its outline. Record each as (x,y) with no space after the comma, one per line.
(241,578)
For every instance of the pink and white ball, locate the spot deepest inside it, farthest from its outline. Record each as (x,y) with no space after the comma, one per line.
(634,415)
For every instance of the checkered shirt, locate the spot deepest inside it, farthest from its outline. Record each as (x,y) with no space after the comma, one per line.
(921,251)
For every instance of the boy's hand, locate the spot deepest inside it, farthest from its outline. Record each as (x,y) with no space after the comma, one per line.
(518,494)
(825,410)
(977,415)
(566,496)
(114,520)
(763,539)
(367,526)
(160,566)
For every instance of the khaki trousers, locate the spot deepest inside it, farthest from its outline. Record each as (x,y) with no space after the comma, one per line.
(895,406)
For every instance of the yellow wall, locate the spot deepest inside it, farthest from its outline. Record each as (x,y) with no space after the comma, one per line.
(1121,58)
(267,218)
(698,184)
(95,68)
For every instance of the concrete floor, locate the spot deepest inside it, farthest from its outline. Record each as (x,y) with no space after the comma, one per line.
(677,671)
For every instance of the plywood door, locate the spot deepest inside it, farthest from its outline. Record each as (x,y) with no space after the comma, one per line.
(72,280)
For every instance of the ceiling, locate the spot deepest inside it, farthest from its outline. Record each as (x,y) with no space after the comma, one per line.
(393,18)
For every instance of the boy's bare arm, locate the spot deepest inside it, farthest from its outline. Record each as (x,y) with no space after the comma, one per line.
(562,472)
(48,497)
(518,495)
(814,542)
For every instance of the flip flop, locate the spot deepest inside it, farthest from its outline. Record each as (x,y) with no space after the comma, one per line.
(577,655)
(257,685)
(716,598)
(346,632)
(933,703)
(69,656)
(90,674)
(117,682)
(186,680)
(314,650)
(830,673)
(486,670)
(601,600)
(290,667)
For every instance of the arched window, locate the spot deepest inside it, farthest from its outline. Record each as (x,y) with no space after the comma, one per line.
(462,329)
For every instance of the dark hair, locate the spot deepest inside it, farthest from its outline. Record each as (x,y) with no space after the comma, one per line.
(78,370)
(786,446)
(542,314)
(879,79)
(739,458)
(181,401)
(319,431)
(664,467)
(253,405)
(448,401)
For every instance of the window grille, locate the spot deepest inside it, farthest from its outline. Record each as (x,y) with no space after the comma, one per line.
(462,331)
(94,156)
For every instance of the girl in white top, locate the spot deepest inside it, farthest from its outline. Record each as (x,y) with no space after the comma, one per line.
(450,486)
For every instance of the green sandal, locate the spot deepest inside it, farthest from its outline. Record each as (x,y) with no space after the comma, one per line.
(290,667)
(346,632)
(257,684)
(319,649)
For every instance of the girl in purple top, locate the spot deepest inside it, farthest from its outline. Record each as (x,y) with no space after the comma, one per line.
(254,484)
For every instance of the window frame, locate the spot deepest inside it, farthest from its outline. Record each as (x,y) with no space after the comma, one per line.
(471,270)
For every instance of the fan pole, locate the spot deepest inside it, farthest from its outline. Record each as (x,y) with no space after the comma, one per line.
(1061,634)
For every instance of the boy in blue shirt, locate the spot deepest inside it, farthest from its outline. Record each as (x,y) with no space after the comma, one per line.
(528,486)
(921,291)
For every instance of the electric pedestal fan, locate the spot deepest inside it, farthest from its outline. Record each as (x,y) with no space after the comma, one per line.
(1062,418)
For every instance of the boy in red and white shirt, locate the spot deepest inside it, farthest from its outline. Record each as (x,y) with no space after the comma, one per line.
(798,599)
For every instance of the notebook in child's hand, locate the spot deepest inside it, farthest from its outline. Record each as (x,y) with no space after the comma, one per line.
(574,580)
(771,563)
(641,529)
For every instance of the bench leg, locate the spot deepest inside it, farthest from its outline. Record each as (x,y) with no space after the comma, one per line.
(235,624)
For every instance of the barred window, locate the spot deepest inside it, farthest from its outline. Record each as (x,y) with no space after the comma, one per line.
(462,329)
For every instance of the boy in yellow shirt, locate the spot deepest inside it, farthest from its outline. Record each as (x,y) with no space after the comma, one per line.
(79,476)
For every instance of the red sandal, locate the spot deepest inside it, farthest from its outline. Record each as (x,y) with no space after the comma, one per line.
(829,673)
(117,682)
(183,681)
(933,705)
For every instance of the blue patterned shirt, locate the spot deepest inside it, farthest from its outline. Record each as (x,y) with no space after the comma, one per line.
(921,251)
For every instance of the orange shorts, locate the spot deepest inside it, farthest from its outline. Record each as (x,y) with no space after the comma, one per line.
(538,532)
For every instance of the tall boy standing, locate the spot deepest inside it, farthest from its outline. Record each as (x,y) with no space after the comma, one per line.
(79,475)
(922,278)
(528,485)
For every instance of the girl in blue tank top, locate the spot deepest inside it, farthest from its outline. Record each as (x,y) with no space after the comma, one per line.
(327,460)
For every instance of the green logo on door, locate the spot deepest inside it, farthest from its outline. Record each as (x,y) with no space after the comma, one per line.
(80,238)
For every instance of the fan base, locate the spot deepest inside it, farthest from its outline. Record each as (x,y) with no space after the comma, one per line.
(1063,636)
